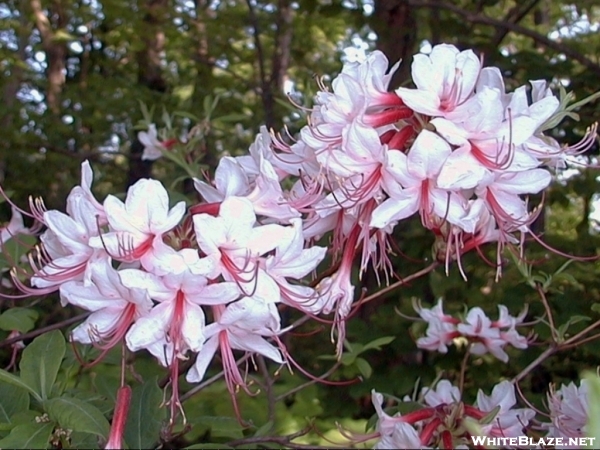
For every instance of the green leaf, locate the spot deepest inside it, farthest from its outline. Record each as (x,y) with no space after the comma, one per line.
(77,415)
(596,307)
(20,319)
(226,427)
(145,416)
(184,93)
(41,361)
(83,440)
(489,417)
(265,429)
(30,435)
(14,380)
(12,400)
(378,343)
(364,367)
(14,249)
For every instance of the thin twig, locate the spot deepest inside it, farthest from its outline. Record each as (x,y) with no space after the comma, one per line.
(308,383)
(463,369)
(548,312)
(536,362)
(405,280)
(35,333)
(582,333)
(267,384)
(582,341)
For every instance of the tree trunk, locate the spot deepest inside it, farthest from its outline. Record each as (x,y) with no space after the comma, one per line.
(150,75)
(55,49)
(396,28)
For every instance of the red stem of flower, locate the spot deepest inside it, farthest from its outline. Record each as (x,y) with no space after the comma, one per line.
(119,418)
(429,429)
(417,416)
(206,208)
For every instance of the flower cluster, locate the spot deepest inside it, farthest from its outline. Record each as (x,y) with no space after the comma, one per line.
(171,267)
(569,409)
(458,150)
(444,421)
(483,334)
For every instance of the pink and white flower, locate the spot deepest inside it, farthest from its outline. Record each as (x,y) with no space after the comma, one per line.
(137,225)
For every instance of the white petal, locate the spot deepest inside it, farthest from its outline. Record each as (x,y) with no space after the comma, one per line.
(394,209)
(192,327)
(205,356)
(427,155)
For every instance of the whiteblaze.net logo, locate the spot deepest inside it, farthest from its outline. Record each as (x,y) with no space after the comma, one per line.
(525,441)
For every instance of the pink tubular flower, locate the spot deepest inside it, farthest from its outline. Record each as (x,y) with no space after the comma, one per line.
(66,252)
(507,422)
(117,428)
(359,93)
(138,225)
(478,328)
(337,292)
(292,261)
(416,175)
(13,228)
(153,147)
(114,307)
(393,432)
(569,410)
(441,330)
(234,241)
(242,325)
(176,323)
(484,334)
(445,80)
(258,182)
(441,422)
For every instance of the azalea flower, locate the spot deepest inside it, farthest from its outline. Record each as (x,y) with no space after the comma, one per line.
(242,325)
(262,189)
(67,251)
(14,227)
(153,147)
(234,242)
(393,432)
(507,422)
(292,261)
(445,80)
(114,307)
(444,393)
(417,190)
(569,411)
(176,323)
(441,420)
(137,225)
(484,334)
